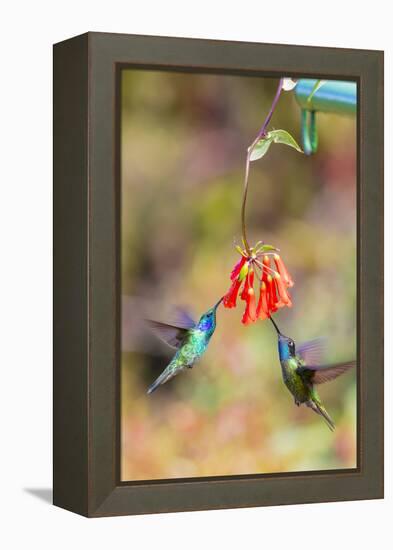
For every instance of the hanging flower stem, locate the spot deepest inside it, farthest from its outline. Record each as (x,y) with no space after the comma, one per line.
(260,268)
(243,212)
(261,134)
(262,131)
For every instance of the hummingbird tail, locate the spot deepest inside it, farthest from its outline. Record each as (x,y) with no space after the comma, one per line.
(320,409)
(166,375)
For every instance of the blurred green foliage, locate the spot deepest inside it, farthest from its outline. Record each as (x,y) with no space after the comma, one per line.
(183,149)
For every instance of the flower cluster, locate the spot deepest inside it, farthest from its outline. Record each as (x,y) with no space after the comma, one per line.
(256,263)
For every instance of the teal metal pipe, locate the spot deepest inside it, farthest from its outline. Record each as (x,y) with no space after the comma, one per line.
(334,96)
(309,132)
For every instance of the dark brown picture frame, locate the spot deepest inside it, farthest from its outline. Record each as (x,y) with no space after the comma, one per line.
(86,275)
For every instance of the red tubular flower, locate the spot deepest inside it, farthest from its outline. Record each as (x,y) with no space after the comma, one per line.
(249,315)
(248,295)
(282,270)
(230,297)
(248,285)
(236,270)
(273,283)
(244,294)
(266,267)
(262,312)
(282,291)
(273,300)
(237,277)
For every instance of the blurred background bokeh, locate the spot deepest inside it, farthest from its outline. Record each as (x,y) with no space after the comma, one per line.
(183,144)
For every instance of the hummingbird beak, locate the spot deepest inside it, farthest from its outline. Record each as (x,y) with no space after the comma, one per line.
(275,326)
(218,303)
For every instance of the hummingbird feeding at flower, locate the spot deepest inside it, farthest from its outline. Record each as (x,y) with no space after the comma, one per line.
(301,372)
(191,340)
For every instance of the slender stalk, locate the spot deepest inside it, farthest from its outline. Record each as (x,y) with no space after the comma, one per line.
(265,267)
(262,131)
(243,213)
(261,134)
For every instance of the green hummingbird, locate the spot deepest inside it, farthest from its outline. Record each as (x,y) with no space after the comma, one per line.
(189,338)
(301,372)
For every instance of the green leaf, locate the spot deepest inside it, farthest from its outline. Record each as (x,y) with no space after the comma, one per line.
(243,272)
(316,87)
(261,247)
(282,136)
(257,245)
(261,148)
(267,247)
(275,136)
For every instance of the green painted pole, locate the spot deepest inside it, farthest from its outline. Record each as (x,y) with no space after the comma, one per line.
(334,96)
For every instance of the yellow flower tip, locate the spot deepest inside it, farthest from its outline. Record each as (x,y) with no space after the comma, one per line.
(277,276)
(276,257)
(269,278)
(250,291)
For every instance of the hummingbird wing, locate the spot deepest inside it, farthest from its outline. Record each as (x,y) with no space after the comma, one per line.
(324,373)
(173,335)
(312,352)
(182,318)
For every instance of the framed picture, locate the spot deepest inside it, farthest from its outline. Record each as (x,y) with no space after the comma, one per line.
(218,274)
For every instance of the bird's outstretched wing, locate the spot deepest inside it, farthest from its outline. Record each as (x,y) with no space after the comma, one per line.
(170,334)
(318,374)
(312,352)
(182,318)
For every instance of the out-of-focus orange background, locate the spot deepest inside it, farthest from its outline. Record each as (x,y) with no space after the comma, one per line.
(183,145)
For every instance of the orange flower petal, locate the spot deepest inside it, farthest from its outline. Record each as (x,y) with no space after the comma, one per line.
(283,271)
(230,297)
(244,293)
(249,315)
(237,268)
(262,312)
(273,300)
(265,272)
(249,283)
(282,291)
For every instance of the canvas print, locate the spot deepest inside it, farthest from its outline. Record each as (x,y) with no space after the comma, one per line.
(238,275)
